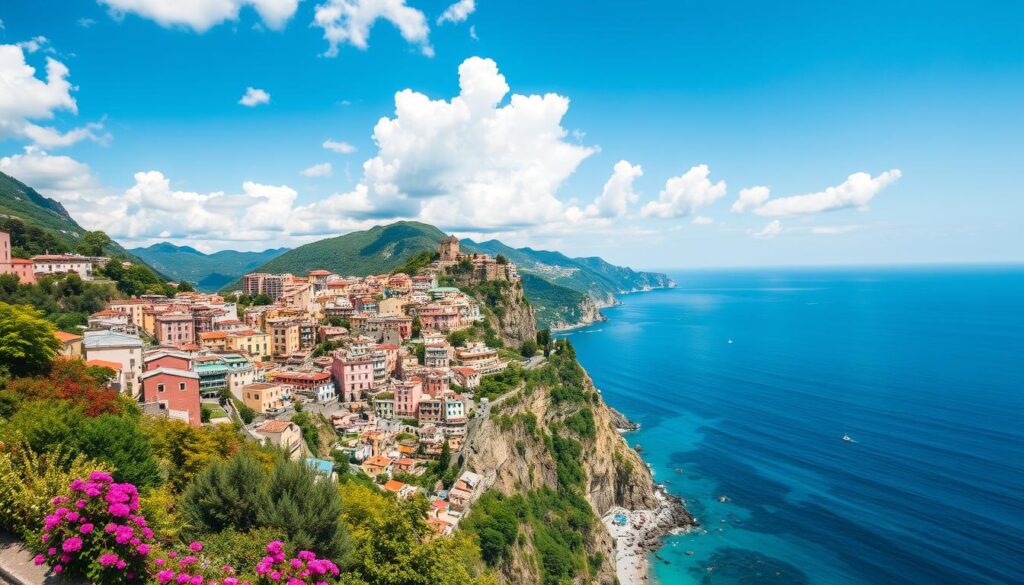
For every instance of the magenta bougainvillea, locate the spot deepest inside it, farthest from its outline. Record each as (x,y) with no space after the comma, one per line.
(303,569)
(97,533)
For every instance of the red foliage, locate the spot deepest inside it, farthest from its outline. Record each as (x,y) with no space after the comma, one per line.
(68,380)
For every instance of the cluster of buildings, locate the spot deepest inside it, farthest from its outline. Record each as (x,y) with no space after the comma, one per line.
(343,345)
(29,269)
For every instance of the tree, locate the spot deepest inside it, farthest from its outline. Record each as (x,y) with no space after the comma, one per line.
(247,413)
(446,456)
(544,340)
(27,344)
(528,348)
(458,338)
(186,286)
(205,412)
(93,243)
(120,442)
(306,509)
(501,259)
(417,326)
(227,495)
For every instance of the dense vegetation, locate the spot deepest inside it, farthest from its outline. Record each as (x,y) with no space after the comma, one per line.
(556,522)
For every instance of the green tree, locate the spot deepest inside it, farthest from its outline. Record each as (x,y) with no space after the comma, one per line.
(544,340)
(528,348)
(120,442)
(446,457)
(305,508)
(27,344)
(186,286)
(227,495)
(459,338)
(93,243)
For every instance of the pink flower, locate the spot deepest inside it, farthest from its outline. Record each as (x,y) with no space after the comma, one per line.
(85,528)
(143,549)
(39,559)
(72,544)
(57,568)
(165,576)
(108,559)
(196,546)
(119,510)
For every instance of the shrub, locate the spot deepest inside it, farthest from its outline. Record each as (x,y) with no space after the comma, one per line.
(96,533)
(28,483)
(303,569)
(226,495)
(191,566)
(305,509)
(121,443)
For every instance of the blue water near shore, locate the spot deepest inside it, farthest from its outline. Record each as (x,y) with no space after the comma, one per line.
(923,368)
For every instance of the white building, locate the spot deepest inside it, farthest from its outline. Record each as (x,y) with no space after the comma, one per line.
(67,263)
(120,348)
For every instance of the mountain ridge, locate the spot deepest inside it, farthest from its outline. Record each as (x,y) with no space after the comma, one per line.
(209,272)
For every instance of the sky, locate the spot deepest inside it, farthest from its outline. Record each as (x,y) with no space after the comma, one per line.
(671,134)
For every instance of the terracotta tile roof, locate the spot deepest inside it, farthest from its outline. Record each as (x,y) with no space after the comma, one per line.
(393,485)
(213,335)
(274,426)
(66,337)
(104,364)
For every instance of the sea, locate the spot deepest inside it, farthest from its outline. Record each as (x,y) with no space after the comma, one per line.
(745,382)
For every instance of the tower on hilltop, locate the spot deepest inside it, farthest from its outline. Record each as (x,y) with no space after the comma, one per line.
(449,249)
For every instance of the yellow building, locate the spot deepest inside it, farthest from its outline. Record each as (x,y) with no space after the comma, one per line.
(213,340)
(263,398)
(284,336)
(256,343)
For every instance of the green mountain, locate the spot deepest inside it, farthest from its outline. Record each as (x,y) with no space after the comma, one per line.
(209,272)
(592,276)
(38,224)
(374,251)
(564,291)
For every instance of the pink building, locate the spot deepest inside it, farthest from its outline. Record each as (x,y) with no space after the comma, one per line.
(435,385)
(352,376)
(20,267)
(439,318)
(175,329)
(407,398)
(176,390)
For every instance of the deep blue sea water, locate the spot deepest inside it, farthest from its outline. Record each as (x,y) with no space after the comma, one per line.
(923,368)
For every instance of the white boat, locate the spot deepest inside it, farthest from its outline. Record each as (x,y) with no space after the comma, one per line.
(847,438)
(730,341)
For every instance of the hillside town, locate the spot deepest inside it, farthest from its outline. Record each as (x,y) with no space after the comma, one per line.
(374,357)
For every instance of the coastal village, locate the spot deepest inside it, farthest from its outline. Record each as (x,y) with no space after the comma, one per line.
(374,356)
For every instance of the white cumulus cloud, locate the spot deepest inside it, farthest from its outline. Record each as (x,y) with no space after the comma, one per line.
(320,170)
(856,191)
(25,97)
(457,12)
(685,194)
(350,21)
(254,97)
(339,146)
(750,198)
(470,161)
(616,197)
(769,231)
(201,15)
(702,220)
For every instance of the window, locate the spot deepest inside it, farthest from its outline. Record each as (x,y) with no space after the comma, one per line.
(181,386)
(159,387)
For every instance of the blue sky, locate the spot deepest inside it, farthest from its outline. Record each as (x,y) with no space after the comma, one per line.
(922,103)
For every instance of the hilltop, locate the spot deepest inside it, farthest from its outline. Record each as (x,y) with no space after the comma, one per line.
(50,225)
(210,272)
(564,291)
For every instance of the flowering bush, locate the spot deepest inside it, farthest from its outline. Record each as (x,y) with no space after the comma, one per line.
(303,569)
(97,533)
(190,568)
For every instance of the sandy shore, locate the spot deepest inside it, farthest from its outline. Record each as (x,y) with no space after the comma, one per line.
(642,534)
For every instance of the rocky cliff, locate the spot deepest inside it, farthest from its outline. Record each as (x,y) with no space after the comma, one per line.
(586,312)
(524,444)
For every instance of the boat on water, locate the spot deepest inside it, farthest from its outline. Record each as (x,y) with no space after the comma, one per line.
(730,341)
(847,439)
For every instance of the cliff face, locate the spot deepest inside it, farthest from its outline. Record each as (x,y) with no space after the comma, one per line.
(513,458)
(586,312)
(508,312)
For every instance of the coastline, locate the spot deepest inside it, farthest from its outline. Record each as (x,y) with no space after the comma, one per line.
(642,532)
(599,305)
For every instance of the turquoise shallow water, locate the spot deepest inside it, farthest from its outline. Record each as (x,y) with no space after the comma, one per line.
(923,368)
